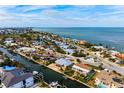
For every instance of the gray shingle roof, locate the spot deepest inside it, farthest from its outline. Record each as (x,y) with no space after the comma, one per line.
(15,76)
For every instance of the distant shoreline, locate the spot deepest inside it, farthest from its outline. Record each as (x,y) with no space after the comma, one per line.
(108,36)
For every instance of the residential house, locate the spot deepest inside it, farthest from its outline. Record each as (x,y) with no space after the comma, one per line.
(63,62)
(71,58)
(99,47)
(82,68)
(90,61)
(75,40)
(113,52)
(63,45)
(26,49)
(81,42)
(8,41)
(121,56)
(69,51)
(17,79)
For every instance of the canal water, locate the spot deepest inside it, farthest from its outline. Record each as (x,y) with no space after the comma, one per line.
(49,75)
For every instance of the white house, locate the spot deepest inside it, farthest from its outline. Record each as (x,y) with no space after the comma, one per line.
(17,79)
(69,51)
(64,46)
(63,62)
(99,47)
(26,49)
(82,68)
(11,44)
(113,52)
(8,41)
(90,61)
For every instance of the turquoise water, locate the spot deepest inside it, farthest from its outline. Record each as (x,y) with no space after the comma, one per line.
(112,37)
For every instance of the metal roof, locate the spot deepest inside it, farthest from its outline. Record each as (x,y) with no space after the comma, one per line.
(63,62)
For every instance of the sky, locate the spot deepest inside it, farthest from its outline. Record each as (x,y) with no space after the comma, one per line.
(61,16)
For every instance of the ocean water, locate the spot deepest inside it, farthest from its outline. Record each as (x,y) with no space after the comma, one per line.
(110,36)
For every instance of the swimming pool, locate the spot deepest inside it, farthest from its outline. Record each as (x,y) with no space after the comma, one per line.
(101,85)
(8,68)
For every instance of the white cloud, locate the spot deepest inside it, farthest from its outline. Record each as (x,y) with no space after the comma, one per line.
(74,16)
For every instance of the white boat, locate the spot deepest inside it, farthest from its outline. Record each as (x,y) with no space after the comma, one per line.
(56,85)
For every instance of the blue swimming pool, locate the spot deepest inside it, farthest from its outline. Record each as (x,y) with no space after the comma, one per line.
(8,68)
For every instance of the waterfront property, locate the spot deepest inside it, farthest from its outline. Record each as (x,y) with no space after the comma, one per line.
(26,49)
(17,79)
(121,56)
(47,72)
(106,79)
(82,68)
(113,52)
(99,47)
(82,42)
(63,62)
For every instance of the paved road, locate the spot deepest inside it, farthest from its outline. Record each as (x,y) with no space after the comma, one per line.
(107,64)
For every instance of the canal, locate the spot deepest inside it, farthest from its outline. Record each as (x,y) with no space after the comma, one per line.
(49,75)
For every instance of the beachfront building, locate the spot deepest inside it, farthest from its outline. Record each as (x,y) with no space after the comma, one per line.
(105,79)
(82,68)
(75,40)
(17,79)
(113,52)
(65,47)
(81,42)
(63,62)
(99,47)
(121,56)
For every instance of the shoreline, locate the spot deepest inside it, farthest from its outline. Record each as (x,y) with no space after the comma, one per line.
(52,68)
(104,43)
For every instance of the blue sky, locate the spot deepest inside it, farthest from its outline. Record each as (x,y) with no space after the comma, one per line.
(62,16)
